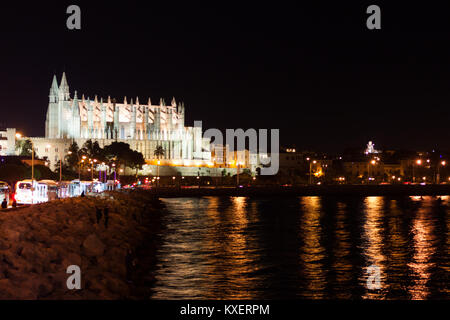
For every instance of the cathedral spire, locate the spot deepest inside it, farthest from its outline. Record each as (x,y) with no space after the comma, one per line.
(54,90)
(125,100)
(75,110)
(174,103)
(137,101)
(149,102)
(54,87)
(64,85)
(64,94)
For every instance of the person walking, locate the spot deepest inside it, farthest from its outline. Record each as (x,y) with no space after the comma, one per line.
(98,213)
(4,204)
(130,263)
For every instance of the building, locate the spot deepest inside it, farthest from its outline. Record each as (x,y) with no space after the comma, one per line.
(222,157)
(8,142)
(144,126)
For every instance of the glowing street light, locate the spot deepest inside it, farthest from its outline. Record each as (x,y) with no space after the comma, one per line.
(443,163)
(310,169)
(418,162)
(372,162)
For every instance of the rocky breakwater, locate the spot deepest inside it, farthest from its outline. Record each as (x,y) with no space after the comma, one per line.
(39,243)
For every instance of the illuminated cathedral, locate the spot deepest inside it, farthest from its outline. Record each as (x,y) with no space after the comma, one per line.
(143,126)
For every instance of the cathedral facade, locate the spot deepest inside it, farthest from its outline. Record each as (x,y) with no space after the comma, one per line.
(143,126)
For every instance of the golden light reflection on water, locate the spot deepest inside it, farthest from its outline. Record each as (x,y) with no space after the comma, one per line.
(207,256)
(312,253)
(180,264)
(372,245)
(239,263)
(446,267)
(422,230)
(397,244)
(233,261)
(342,245)
(309,247)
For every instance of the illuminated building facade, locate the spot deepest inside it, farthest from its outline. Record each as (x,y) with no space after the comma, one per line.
(143,126)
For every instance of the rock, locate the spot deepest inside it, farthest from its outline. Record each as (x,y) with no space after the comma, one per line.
(44,289)
(71,259)
(12,235)
(93,246)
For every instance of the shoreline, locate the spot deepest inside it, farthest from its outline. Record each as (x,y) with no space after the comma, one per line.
(315,190)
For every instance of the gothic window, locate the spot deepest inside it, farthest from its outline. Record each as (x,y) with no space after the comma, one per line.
(122,133)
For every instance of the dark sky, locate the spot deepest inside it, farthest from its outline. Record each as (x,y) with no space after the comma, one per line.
(313,71)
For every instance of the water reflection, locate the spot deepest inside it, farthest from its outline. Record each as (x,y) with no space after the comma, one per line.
(313,252)
(373,244)
(341,264)
(423,238)
(307,247)
(396,247)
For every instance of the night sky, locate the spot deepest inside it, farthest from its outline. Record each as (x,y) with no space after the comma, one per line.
(315,72)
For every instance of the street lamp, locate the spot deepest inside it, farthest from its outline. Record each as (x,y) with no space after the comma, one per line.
(418,162)
(442,163)
(237,175)
(310,169)
(373,162)
(157,172)
(79,162)
(92,168)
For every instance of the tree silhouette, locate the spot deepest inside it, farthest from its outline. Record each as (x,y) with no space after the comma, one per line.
(24,147)
(159,152)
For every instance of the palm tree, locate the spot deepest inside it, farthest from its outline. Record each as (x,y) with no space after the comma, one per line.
(159,151)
